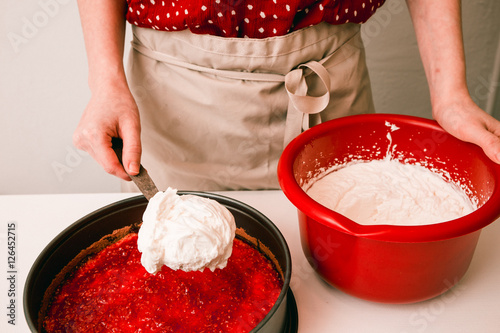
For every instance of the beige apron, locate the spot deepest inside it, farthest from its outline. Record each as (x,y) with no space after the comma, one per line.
(216,112)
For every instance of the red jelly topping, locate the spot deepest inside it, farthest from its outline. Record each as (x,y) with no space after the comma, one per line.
(112,292)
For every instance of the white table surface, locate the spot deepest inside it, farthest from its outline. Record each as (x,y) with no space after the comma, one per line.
(471,306)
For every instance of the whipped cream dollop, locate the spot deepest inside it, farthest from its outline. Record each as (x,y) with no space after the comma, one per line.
(390,192)
(186,232)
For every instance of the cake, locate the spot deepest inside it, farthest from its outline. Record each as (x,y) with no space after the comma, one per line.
(105,288)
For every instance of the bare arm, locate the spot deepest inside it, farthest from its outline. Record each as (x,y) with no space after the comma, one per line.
(112,111)
(439,34)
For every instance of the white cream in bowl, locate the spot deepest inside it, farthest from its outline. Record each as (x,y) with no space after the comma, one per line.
(390,192)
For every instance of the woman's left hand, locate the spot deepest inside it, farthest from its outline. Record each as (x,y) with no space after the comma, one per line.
(465,120)
(438,29)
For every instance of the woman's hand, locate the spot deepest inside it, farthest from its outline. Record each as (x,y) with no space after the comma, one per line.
(438,29)
(111,112)
(463,119)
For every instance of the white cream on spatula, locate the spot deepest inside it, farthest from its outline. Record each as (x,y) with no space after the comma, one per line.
(186,232)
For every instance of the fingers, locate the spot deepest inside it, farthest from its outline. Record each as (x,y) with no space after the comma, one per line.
(490,140)
(106,157)
(94,134)
(484,131)
(466,121)
(132,148)
(111,112)
(98,146)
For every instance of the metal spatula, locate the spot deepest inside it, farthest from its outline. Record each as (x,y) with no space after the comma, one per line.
(142,179)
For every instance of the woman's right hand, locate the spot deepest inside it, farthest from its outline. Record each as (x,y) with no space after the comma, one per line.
(111,112)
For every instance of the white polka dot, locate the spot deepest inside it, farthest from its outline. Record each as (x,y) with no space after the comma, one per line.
(210,21)
(152,2)
(321,7)
(142,6)
(288,8)
(275,16)
(220,14)
(355,13)
(363,5)
(250,7)
(130,9)
(347,10)
(233,12)
(274,31)
(337,17)
(246,20)
(203,8)
(261,30)
(157,17)
(262,14)
(138,12)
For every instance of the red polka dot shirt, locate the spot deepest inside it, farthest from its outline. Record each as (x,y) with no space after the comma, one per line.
(246,18)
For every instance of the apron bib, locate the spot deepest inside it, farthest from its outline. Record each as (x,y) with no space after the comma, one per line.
(217,112)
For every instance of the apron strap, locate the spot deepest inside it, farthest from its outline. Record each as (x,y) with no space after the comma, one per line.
(299,102)
(236,75)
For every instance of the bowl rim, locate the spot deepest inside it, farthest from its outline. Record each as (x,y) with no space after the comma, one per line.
(140,200)
(472,222)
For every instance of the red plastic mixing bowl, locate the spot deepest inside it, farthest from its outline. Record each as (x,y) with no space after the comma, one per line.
(388,263)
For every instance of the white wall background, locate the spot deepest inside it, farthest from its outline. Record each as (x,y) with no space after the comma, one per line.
(43,86)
